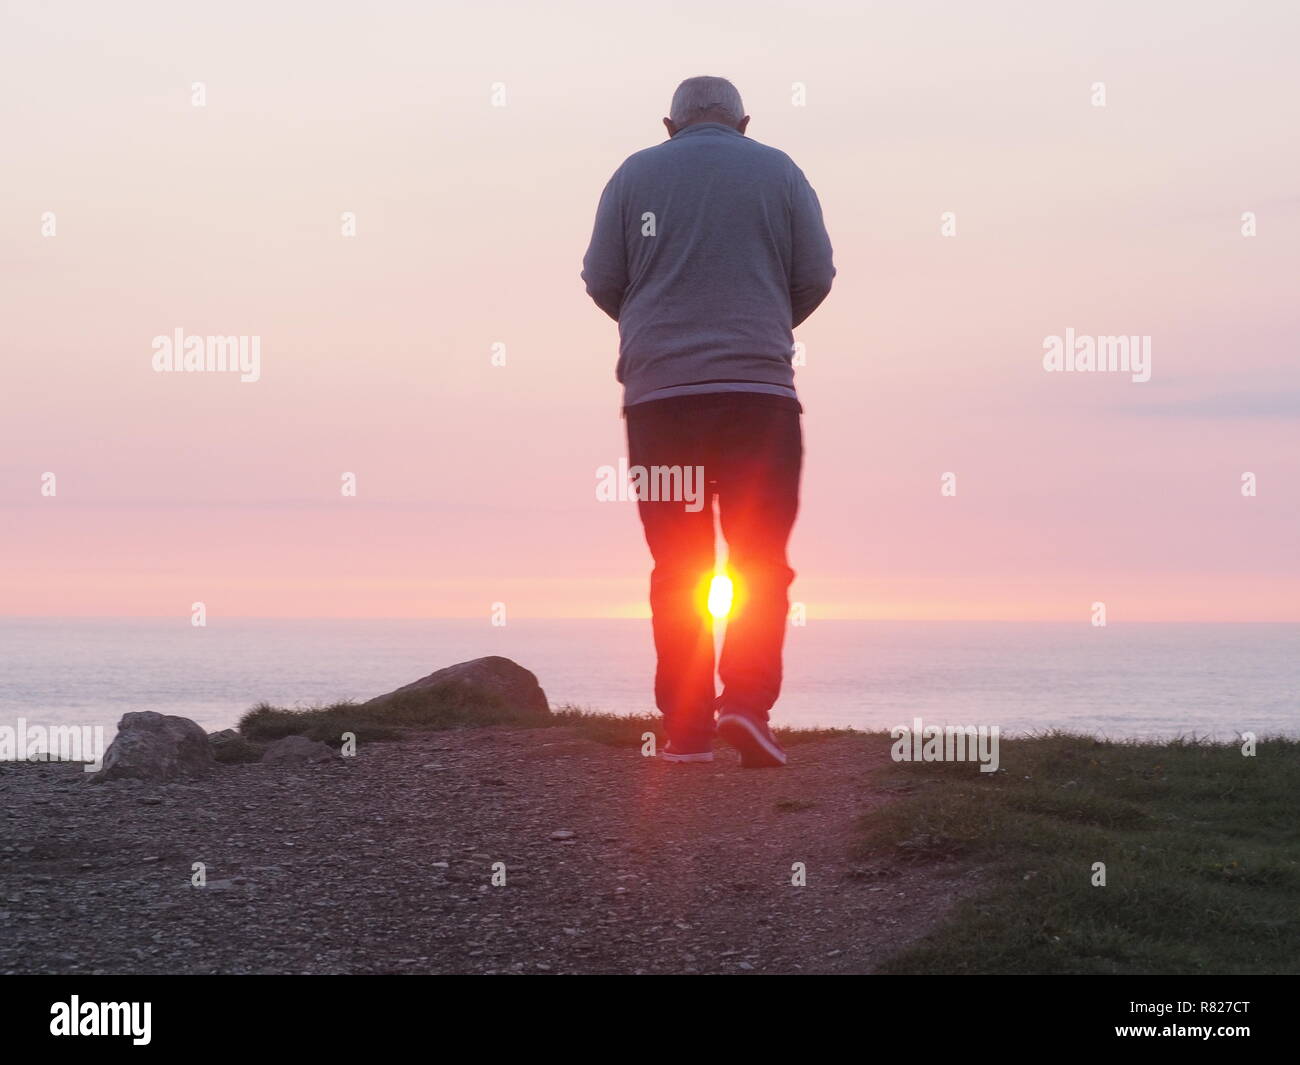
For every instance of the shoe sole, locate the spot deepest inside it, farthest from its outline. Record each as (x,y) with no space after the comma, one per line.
(703,756)
(756,750)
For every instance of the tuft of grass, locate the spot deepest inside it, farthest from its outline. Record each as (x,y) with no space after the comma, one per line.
(264,723)
(443,706)
(1201,847)
(618,730)
(793,737)
(613,730)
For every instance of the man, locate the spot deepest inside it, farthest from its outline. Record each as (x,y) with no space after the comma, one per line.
(708,249)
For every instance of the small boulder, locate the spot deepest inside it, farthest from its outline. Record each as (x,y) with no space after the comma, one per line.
(230,746)
(499,678)
(154,746)
(298,750)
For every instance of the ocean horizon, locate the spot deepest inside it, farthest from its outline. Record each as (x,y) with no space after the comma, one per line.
(1122,681)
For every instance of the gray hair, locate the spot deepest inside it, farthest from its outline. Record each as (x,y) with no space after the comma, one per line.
(696,97)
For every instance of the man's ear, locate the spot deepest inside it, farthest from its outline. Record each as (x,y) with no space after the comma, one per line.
(670,126)
(744,122)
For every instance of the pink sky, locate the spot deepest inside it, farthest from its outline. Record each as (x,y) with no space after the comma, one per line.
(476,484)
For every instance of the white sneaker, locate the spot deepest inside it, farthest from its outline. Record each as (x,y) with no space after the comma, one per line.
(670,755)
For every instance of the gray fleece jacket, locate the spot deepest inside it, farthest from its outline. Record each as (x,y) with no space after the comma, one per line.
(708,249)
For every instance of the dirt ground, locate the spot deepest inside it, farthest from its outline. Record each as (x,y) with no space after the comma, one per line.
(383,863)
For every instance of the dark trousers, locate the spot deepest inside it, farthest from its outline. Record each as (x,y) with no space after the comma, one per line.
(750,446)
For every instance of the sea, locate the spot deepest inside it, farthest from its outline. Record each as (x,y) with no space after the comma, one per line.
(1119,681)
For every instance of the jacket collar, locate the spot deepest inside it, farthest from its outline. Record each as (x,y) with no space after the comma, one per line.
(699,127)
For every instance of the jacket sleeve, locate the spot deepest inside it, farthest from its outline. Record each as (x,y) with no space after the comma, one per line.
(604,267)
(811,268)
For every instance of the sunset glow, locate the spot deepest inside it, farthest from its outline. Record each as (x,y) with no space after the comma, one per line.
(447,357)
(720,596)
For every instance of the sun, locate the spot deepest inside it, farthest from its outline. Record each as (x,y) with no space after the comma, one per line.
(720,595)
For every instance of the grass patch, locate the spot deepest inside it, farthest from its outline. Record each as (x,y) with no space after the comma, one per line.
(618,730)
(1201,847)
(455,705)
(443,706)
(613,730)
(793,737)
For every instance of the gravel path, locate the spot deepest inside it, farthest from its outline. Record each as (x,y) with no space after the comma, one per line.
(383,863)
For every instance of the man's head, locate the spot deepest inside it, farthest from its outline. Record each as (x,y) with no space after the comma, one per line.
(706,99)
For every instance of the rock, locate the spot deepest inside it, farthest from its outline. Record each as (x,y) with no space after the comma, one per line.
(298,749)
(515,687)
(153,746)
(230,746)
(563,834)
